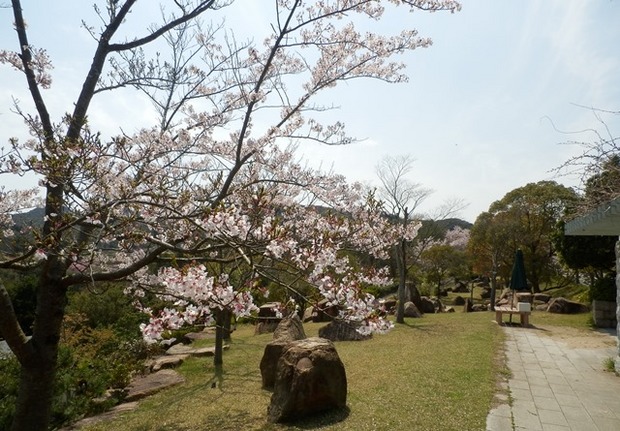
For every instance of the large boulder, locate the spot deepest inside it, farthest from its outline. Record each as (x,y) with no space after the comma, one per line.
(485,293)
(460,287)
(413,294)
(437,305)
(310,378)
(458,300)
(411,310)
(325,312)
(340,330)
(479,307)
(564,306)
(309,314)
(468,306)
(389,305)
(541,298)
(150,384)
(426,305)
(268,317)
(290,329)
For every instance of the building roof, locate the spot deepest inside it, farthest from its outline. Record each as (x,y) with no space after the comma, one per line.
(604,220)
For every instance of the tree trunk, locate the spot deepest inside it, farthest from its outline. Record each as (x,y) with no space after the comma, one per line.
(400,260)
(33,406)
(227,325)
(218,357)
(401,264)
(34,400)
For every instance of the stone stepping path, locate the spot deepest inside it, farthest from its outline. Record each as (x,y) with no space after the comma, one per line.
(162,376)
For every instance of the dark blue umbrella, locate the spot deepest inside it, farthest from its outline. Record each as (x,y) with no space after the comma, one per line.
(518,279)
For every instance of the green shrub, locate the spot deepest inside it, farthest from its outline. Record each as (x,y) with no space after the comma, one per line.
(9,372)
(106,306)
(604,289)
(22,289)
(101,348)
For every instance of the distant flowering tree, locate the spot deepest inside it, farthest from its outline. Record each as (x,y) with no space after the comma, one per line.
(446,257)
(214,173)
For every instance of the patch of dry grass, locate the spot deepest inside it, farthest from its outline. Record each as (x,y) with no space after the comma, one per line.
(579,321)
(438,372)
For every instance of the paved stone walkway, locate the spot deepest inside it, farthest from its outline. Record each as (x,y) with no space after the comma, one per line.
(556,387)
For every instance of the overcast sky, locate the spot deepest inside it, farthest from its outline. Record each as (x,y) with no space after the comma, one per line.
(478,113)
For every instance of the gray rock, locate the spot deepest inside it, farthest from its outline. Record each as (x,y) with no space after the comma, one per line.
(564,306)
(153,383)
(389,305)
(458,300)
(310,378)
(267,318)
(542,297)
(485,293)
(460,287)
(207,334)
(167,361)
(426,305)
(309,314)
(182,349)
(411,310)
(437,305)
(323,312)
(289,330)
(340,330)
(468,306)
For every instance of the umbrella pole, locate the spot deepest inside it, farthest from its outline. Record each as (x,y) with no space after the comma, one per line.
(512,300)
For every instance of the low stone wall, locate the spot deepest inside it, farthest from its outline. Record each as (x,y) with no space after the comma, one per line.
(604,314)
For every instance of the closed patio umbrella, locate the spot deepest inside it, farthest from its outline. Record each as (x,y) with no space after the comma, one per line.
(518,279)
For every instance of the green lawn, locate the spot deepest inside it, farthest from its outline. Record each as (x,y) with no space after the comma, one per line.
(437,372)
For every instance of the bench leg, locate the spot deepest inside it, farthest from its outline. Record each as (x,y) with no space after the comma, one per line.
(525,319)
(498,317)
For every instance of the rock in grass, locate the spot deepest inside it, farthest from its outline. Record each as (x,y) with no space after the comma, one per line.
(411,310)
(153,383)
(290,329)
(564,306)
(310,378)
(340,330)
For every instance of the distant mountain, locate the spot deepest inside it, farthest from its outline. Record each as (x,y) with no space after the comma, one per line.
(33,218)
(451,223)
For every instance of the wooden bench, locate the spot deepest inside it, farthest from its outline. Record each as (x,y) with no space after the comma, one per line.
(524,316)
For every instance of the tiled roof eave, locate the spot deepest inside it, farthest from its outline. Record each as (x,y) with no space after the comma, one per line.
(604,220)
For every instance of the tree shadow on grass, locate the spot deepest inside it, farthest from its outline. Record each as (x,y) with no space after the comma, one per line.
(321,419)
(529,327)
(413,324)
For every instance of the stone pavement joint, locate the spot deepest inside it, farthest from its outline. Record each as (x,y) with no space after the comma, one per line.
(555,386)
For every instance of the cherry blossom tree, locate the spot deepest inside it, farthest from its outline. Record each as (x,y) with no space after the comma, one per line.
(217,171)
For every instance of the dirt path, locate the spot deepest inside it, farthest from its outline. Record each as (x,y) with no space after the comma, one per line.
(576,338)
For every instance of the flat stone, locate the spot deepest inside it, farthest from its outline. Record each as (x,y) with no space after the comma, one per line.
(203,335)
(110,414)
(167,361)
(182,349)
(152,383)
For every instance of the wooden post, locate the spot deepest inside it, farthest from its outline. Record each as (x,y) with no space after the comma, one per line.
(617,361)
